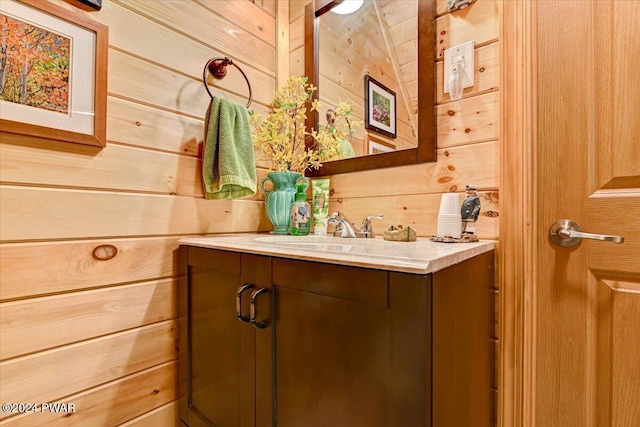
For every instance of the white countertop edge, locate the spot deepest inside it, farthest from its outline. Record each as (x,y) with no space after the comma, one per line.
(244,242)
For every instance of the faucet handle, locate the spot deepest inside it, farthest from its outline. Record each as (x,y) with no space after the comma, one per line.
(366,227)
(335,218)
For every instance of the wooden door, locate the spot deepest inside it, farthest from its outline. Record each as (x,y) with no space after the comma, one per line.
(586,153)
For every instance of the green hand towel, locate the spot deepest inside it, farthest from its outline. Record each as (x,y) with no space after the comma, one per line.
(228,162)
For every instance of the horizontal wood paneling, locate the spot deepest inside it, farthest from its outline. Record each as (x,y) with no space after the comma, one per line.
(132,78)
(193,20)
(164,416)
(477,163)
(155,124)
(255,17)
(69,265)
(64,213)
(62,319)
(468,121)
(479,22)
(143,38)
(51,375)
(296,9)
(114,167)
(420,211)
(296,30)
(269,6)
(95,328)
(157,86)
(148,127)
(114,402)
(296,62)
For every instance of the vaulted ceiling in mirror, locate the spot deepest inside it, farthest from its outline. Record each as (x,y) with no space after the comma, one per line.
(380,40)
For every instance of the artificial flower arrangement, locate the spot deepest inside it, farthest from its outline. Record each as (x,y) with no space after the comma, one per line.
(281,135)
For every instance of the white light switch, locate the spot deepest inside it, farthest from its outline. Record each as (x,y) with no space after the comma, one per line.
(459,60)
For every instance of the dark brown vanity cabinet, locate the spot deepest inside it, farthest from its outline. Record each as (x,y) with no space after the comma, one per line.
(224,372)
(267,341)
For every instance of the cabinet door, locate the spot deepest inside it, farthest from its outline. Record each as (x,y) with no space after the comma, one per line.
(220,365)
(332,340)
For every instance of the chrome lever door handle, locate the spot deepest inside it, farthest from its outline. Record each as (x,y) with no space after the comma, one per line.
(604,237)
(569,233)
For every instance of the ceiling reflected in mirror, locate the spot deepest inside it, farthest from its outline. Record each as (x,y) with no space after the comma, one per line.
(379,40)
(347,7)
(380,59)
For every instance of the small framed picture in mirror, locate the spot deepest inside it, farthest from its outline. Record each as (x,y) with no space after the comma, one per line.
(380,107)
(375,145)
(87,5)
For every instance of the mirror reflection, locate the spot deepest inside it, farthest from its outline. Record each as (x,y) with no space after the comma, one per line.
(381,60)
(369,58)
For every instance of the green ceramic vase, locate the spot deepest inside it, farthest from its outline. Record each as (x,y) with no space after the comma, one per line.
(279,199)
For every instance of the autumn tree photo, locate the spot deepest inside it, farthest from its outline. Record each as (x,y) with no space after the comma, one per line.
(34,65)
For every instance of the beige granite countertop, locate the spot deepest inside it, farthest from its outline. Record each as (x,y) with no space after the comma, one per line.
(420,257)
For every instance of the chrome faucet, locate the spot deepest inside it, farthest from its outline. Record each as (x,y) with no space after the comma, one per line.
(345,228)
(366,229)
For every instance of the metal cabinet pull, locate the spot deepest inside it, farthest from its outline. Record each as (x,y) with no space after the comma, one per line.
(568,233)
(254,322)
(239,314)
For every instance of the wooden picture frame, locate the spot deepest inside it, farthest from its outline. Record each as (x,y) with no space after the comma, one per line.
(88,5)
(380,107)
(74,109)
(93,4)
(374,145)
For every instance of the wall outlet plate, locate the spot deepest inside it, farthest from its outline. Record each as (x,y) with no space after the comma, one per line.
(466,49)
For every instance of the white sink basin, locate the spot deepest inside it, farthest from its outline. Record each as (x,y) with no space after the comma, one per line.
(285,239)
(352,246)
(331,244)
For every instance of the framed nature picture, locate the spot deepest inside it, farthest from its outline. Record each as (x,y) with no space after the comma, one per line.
(374,145)
(54,72)
(380,107)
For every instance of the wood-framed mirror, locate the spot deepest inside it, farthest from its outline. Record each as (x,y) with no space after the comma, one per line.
(413,98)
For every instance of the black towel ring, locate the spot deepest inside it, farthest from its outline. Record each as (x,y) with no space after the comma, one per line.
(218,69)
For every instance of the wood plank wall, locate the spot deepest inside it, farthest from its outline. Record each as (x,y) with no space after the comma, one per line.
(102,334)
(468,137)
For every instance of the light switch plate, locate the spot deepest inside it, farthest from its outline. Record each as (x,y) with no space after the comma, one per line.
(466,49)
